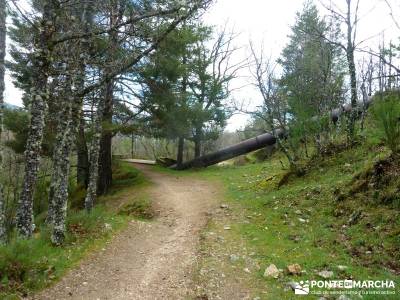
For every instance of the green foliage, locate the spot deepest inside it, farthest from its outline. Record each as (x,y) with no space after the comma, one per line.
(124,175)
(312,80)
(27,265)
(17,121)
(386,112)
(139,207)
(313,72)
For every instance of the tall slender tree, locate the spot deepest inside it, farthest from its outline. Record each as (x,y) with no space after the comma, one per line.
(41,62)
(312,73)
(3,16)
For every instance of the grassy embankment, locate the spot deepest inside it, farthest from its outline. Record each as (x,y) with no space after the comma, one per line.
(28,266)
(331,219)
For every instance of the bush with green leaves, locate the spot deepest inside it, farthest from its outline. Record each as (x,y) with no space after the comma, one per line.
(386,114)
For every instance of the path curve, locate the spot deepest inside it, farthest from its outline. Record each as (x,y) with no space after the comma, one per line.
(148,260)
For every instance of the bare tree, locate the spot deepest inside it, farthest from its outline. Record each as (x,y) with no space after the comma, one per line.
(274,106)
(213,71)
(350,18)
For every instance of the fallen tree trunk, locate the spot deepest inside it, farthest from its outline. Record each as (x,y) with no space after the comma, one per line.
(229,152)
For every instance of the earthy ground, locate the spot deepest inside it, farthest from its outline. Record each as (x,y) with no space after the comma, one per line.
(148,260)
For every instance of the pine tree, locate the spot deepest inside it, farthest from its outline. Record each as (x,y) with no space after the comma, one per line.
(312,75)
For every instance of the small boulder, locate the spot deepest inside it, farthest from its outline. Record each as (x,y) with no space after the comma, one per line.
(325,274)
(233,258)
(294,269)
(271,271)
(341,268)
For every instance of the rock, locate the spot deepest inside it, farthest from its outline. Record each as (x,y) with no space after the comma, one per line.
(343,297)
(225,206)
(294,269)
(293,285)
(325,274)
(271,271)
(246,270)
(347,165)
(302,220)
(257,298)
(233,258)
(354,218)
(298,212)
(107,226)
(227,227)
(341,268)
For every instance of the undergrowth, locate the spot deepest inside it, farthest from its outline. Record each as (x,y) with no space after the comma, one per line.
(30,265)
(314,220)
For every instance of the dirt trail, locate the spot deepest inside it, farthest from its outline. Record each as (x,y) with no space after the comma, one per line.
(148,260)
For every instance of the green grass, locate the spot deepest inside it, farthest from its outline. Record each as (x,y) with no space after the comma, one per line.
(30,265)
(267,220)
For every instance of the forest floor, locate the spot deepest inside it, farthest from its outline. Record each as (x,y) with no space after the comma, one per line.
(149,259)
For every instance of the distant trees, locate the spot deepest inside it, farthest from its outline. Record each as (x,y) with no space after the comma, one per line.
(185,85)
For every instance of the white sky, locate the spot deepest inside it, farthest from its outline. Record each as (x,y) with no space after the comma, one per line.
(268,22)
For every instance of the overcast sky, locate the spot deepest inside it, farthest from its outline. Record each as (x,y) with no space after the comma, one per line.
(268,22)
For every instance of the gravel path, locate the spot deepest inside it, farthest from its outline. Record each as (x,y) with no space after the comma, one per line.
(148,260)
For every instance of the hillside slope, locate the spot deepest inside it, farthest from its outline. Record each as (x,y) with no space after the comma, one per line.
(318,225)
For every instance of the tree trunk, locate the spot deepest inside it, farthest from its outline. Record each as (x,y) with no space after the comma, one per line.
(3,5)
(352,72)
(197,142)
(94,151)
(105,161)
(181,144)
(63,120)
(60,199)
(66,136)
(83,156)
(39,97)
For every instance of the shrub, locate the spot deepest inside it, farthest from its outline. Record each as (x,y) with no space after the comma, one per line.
(386,113)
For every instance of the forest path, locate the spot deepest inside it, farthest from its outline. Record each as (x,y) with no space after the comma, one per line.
(148,260)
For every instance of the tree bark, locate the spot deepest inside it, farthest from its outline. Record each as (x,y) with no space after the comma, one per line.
(197,142)
(3,15)
(105,161)
(83,156)
(60,198)
(94,153)
(63,120)
(181,144)
(352,72)
(39,98)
